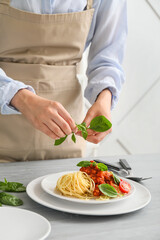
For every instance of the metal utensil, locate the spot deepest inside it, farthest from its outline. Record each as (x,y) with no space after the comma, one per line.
(128,168)
(109,165)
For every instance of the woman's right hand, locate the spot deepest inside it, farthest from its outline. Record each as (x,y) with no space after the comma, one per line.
(48,116)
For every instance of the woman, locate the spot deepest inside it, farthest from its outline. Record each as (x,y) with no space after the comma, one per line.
(41,44)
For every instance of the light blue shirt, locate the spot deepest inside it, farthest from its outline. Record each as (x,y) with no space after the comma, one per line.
(107,36)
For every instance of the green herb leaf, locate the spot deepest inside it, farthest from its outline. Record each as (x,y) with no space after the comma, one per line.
(12,186)
(8,199)
(100,124)
(116,179)
(108,190)
(84,164)
(73,138)
(84,124)
(59,141)
(102,166)
(84,134)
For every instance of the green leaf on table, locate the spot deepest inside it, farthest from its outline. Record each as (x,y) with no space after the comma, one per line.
(84,164)
(11,200)
(73,138)
(59,141)
(116,179)
(108,190)
(102,166)
(12,186)
(100,124)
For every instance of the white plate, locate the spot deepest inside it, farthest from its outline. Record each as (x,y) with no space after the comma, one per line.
(49,185)
(137,201)
(20,224)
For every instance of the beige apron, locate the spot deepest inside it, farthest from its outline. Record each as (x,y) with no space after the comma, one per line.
(43,51)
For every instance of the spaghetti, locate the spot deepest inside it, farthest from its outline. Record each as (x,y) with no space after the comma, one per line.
(76,184)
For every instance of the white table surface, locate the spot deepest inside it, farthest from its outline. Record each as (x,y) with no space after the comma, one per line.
(142,224)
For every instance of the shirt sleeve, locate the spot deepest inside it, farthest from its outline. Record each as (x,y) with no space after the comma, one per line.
(107,50)
(8,88)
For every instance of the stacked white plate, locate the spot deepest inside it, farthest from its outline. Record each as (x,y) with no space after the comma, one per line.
(43,191)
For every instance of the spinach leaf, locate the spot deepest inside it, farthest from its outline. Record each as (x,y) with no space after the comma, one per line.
(73,138)
(102,166)
(8,199)
(108,190)
(12,186)
(100,124)
(59,141)
(84,164)
(116,179)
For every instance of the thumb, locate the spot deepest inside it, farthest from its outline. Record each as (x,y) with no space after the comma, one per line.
(88,118)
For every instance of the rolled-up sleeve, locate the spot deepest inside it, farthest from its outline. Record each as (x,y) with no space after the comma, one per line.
(8,88)
(107,51)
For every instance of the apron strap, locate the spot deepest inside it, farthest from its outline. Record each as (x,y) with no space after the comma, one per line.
(89,4)
(5,2)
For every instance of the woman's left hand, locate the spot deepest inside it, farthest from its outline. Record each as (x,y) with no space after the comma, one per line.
(102,106)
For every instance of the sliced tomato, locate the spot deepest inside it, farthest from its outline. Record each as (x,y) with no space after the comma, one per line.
(124,186)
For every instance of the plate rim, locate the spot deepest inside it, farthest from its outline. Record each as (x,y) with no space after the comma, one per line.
(40,201)
(81,201)
(48,224)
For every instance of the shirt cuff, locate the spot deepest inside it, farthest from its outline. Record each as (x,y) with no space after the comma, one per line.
(6,108)
(94,89)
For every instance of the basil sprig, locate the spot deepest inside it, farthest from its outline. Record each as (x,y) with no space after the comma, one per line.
(108,190)
(116,179)
(8,199)
(98,124)
(101,166)
(12,186)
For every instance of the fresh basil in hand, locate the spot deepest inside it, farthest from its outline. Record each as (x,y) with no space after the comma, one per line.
(108,190)
(11,200)
(100,124)
(12,186)
(59,141)
(73,138)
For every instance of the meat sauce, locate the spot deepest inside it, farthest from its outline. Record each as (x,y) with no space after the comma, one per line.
(99,177)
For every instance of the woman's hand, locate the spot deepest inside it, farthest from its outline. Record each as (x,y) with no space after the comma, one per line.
(47,116)
(102,106)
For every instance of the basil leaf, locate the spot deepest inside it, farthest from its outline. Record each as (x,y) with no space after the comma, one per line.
(59,141)
(108,190)
(94,164)
(84,134)
(73,138)
(11,200)
(12,186)
(81,127)
(84,124)
(100,124)
(116,179)
(102,166)
(84,164)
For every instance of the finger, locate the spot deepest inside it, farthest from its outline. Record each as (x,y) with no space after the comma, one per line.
(43,128)
(88,118)
(66,116)
(91,132)
(55,128)
(96,138)
(62,124)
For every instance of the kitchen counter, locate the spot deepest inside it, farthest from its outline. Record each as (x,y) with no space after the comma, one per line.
(141,224)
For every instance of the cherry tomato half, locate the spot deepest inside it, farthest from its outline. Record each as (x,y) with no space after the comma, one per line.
(125,187)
